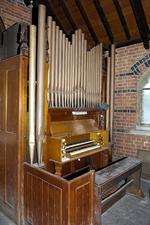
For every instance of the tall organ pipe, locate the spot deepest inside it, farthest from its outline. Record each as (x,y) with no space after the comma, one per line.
(112,71)
(108,93)
(101,71)
(32,78)
(40,82)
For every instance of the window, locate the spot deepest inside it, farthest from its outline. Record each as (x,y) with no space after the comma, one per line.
(144,93)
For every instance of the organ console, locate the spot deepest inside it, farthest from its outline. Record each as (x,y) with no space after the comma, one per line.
(75,136)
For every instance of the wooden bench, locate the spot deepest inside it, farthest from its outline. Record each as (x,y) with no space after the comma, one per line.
(115,180)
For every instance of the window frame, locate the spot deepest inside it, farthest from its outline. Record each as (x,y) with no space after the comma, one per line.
(142,82)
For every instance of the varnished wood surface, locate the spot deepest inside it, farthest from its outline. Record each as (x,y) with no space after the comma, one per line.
(112,178)
(13,91)
(115,26)
(65,114)
(74,127)
(94,160)
(62,124)
(50,199)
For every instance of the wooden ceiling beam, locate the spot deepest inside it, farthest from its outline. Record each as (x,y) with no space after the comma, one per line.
(2,26)
(104,20)
(87,22)
(122,19)
(141,21)
(65,8)
(50,12)
(129,42)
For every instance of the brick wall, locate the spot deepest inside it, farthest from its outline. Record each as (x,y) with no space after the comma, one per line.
(13,11)
(131,62)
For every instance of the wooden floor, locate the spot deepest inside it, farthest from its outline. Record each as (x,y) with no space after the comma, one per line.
(128,211)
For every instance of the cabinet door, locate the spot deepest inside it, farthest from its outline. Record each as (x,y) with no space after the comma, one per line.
(11,134)
(13,95)
(2,137)
(9,111)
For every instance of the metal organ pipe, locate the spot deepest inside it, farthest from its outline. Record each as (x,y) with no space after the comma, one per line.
(49,30)
(108,93)
(40,82)
(52,65)
(101,70)
(112,71)
(75,73)
(60,66)
(84,72)
(56,68)
(32,84)
(63,72)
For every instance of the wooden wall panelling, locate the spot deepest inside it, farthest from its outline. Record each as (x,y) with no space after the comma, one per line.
(11,132)
(2,139)
(13,88)
(22,129)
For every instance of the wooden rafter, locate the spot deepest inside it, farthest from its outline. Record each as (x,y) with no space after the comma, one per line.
(122,19)
(104,20)
(64,6)
(141,21)
(87,22)
(50,12)
(129,42)
(2,26)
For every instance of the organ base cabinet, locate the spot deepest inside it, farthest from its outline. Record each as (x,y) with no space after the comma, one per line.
(51,199)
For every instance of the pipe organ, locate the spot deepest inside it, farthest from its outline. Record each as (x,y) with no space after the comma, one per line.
(75,73)
(74,86)
(64,180)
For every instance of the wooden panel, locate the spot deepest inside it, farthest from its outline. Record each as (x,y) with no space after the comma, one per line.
(12,100)
(2,137)
(2,100)
(73,127)
(105,158)
(45,198)
(82,193)
(2,166)
(11,159)
(57,118)
(13,82)
(49,199)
